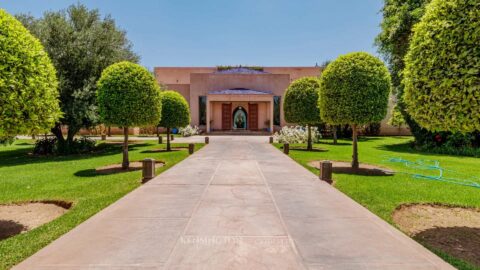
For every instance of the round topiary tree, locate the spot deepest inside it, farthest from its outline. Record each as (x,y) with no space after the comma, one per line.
(354,90)
(300,104)
(175,112)
(28,84)
(442,73)
(128,95)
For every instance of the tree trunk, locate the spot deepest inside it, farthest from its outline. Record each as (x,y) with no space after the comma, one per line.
(355,164)
(109,132)
(335,134)
(309,140)
(168,140)
(57,131)
(71,132)
(125,163)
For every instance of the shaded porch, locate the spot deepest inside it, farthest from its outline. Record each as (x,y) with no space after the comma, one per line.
(239,110)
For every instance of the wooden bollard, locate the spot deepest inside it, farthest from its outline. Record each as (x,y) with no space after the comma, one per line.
(191,148)
(271,139)
(207,140)
(326,169)
(160,140)
(286,148)
(148,169)
(171,137)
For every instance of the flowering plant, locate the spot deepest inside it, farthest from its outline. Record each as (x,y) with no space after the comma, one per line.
(296,134)
(189,131)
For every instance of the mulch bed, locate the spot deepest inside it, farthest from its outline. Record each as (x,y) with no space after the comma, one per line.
(346,168)
(20,218)
(452,230)
(117,168)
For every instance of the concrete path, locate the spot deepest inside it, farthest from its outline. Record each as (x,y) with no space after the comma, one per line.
(238,203)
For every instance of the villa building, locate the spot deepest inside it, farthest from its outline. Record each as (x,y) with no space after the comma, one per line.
(234,99)
(238,98)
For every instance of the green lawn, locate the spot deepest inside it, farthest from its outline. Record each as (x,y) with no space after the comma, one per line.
(71,178)
(382,194)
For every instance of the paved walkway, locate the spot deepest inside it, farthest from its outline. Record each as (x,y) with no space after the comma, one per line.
(236,204)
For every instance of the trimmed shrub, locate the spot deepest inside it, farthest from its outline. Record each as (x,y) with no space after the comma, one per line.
(300,104)
(28,84)
(354,90)
(442,73)
(175,112)
(128,95)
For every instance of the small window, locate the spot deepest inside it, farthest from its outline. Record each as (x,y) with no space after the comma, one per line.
(202,110)
(276,110)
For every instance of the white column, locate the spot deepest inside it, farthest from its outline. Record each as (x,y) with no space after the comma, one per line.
(208,116)
(271,115)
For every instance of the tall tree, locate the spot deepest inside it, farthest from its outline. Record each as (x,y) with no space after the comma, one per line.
(128,95)
(28,85)
(354,90)
(301,104)
(399,17)
(81,44)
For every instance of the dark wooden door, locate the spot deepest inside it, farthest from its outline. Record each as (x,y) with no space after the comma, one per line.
(226,116)
(253,116)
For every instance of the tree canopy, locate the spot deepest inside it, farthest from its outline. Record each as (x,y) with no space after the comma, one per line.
(442,73)
(354,89)
(28,85)
(175,110)
(300,104)
(81,44)
(399,17)
(128,95)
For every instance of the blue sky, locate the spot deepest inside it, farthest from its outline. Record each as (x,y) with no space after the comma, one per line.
(224,32)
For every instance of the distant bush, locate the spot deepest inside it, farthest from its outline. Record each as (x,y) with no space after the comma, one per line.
(296,134)
(45,146)
(189,131)
(50,146)
(372,129)
(452,144)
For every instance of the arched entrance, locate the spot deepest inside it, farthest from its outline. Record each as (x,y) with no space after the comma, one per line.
(239,118)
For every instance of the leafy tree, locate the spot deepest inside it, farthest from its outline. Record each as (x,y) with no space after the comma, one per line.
(354,90)
(81,45)
(396,119)
(28,85)
(175,112)
(128,95)
(399,17)
(301,104)
(442,73)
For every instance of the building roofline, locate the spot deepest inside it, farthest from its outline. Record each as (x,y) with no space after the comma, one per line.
(185,67)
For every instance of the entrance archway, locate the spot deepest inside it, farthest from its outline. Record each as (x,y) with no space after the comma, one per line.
(239,118)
